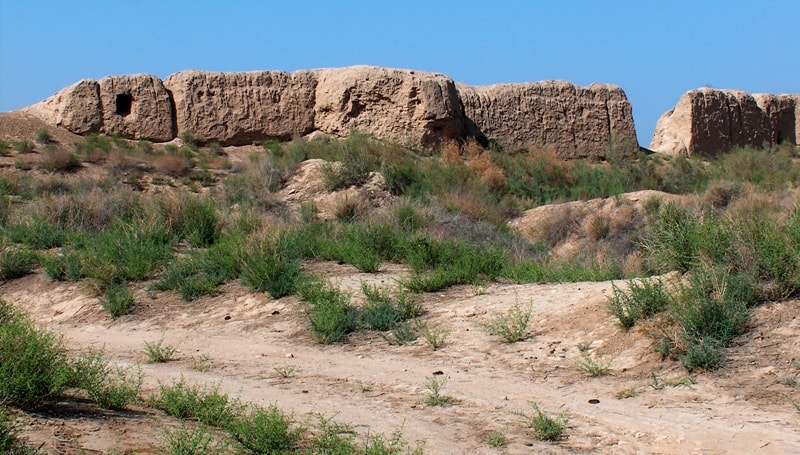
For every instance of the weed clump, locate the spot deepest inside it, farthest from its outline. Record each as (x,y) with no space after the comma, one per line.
(329,311)
(545,427)
(511,326)
(642,300)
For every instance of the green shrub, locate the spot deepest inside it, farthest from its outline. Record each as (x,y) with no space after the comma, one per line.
(202,272)
(16,262)
(43,136)
(714,305)
(5,148)
(704,354)
(191,440)
(405,177)
(206,405)
(673,239)
(127,252)
(22,146)
(38,234)
(332,437)
(329,311)
(439,264)
(511,326)
(265,270)
(593,367)
(766,168)
(379,313)
(53,265)
(266,431)
(435,397)
(643,299)
(158,352)
(118,299)
(202,228)
(35,367)
(545,427)
(357,155)
(711,311)
(112,387)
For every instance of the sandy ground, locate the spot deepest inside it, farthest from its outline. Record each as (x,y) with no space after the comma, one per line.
(243,340)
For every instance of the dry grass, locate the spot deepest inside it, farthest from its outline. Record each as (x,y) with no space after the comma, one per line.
(490,174)
(59,160)
(172,165)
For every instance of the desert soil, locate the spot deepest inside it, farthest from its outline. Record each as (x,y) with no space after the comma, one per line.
(244,341)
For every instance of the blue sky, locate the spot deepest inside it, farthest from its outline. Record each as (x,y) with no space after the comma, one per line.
(655,51)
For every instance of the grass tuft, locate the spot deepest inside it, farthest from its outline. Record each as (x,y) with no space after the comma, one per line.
(511,326)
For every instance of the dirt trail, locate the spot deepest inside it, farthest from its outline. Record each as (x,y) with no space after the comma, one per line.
(378,388)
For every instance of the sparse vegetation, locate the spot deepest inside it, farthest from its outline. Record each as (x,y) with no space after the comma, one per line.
(186,439)
(205,404)
(629,392)
(737,246)
(511,326)
(118,299)
(434,335)
(158,352)
(23,146)
(593,367)
(434,386)
(544,426)
(642,299)
(496,439)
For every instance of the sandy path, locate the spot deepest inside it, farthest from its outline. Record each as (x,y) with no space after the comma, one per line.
(379,388)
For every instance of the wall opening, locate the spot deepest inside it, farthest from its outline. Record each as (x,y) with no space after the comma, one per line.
(124,102)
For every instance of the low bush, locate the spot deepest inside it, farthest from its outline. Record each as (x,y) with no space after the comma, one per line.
(191,440)
(118,299)
(35,367)
(39,234)
(16,261)
(545,427)
(266,430)
(22,146)
(126,252)
(59,160)
(158,352)
(172,164)
(207,405)
(357,158)
(264,269)
(329,311)
(641,300)
(511,326)
(112,387)
(379,312)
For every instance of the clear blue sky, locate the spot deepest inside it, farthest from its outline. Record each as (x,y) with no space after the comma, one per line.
(654,50)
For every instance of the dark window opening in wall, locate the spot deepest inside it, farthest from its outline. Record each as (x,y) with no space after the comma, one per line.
(124,102)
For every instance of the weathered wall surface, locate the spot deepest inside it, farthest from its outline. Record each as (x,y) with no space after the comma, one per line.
(133,106)
(407,106)
(242,108)
(76,108)
(708,122)
(149,115)
(412,107)
(576,121)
